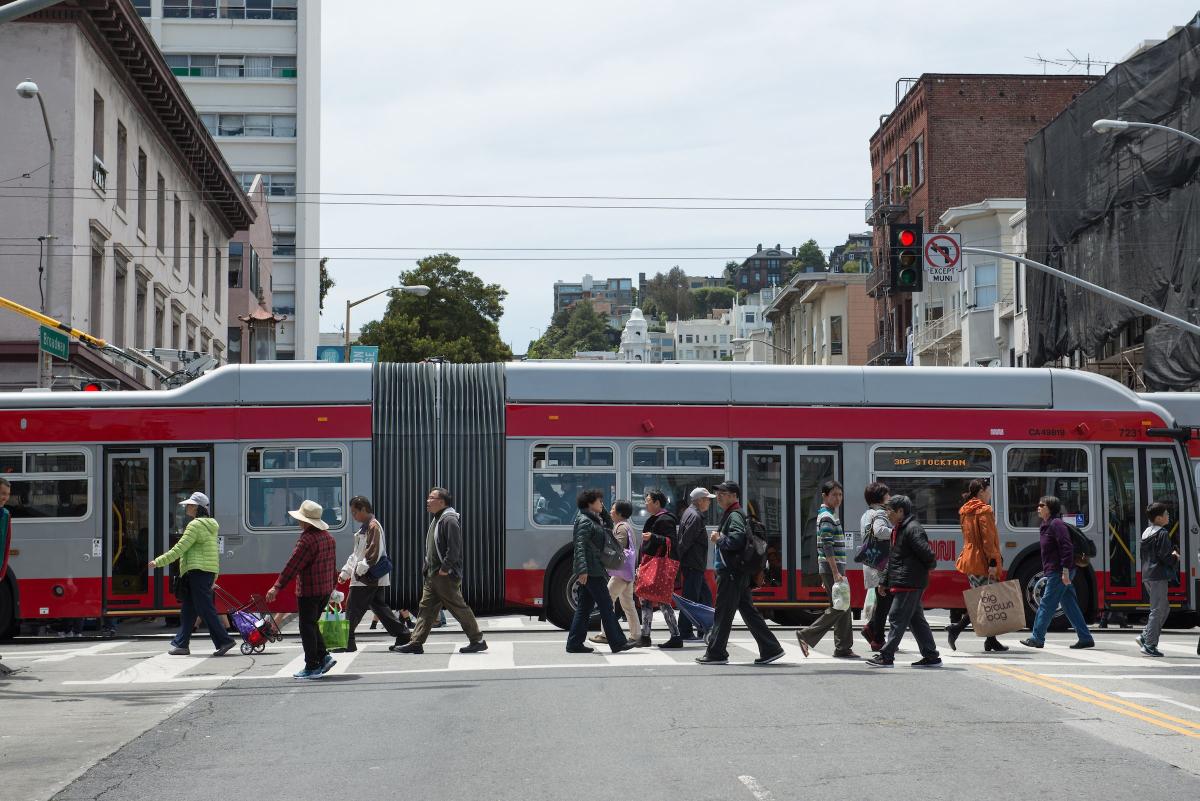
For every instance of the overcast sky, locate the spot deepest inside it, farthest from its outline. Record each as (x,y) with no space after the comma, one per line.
(664,99)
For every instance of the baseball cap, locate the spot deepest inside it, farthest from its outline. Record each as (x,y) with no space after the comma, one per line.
(197,499)
(700,492)
(730,486)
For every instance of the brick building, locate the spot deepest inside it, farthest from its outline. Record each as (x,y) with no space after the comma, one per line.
(950,141)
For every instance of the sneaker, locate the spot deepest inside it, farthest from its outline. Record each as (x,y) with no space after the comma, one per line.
(407,648)
(643,642)
(1029,642)
(474,647)
(328,663)
(674,642)
(845,655)
(600,638)
(1082,644)
(224,649)
(629,645)
(803,645)
(1150,650)
(879,661)
(307,674)
(928,662)
(580,649)
(766,660)
(177,651)
(1141,641)
(712,660)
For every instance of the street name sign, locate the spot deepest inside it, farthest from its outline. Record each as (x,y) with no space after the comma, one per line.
(55,343)
(942,254)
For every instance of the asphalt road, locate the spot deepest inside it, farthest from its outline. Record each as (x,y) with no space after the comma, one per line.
(118,720)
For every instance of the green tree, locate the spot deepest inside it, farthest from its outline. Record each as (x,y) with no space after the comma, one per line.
(327,284)
(706,298)
(578,328)
(669,294)
(808,256)
(731,268)
(457,320)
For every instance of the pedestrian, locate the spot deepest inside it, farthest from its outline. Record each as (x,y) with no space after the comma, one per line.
(314,567)
(1058,568)
(199,563)
(876,525)
(1160,567)
(5,525)
(907,577)
(980,559)
(443,578)
(621,589)
(589,578)
(733,585)
(831,545)
(693,557)
(367,592)
(660,538)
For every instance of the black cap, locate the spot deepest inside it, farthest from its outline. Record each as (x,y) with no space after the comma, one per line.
(730,486)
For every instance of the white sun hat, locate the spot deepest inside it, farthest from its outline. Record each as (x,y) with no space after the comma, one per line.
(197,499)
(310,512)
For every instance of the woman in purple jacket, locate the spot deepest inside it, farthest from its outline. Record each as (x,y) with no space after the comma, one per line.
(1058,567)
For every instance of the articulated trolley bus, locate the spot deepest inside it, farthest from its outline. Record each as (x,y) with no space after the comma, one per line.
(96,477)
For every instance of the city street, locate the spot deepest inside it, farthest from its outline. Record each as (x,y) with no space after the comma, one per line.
(119,719)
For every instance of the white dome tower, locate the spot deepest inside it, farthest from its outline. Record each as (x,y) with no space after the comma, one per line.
(635,347)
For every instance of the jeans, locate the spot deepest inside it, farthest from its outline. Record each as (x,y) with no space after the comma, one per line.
(594,595)
(198,602)
(842,623)
(444,592)
(311,607)
(906,614)
(364,598)
(733,595)
(1059,594)
(695,588)
(1156,591)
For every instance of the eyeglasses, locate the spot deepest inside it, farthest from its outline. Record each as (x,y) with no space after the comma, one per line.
(1041,506)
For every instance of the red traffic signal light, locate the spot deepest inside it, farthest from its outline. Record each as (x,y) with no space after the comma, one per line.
(906,238)
(92,386)
(904,257)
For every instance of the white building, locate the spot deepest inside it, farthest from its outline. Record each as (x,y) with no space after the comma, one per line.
(145,205)
(705,340)
(252,69)
(968,322)
(750,324)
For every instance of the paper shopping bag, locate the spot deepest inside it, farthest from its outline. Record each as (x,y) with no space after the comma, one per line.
(995,608)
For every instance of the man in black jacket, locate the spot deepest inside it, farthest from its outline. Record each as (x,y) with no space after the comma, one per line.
(907,576)
(693,557)
(660,537)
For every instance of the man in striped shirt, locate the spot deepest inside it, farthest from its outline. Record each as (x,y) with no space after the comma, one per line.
(831,545)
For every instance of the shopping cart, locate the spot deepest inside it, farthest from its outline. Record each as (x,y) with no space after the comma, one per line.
(254,621)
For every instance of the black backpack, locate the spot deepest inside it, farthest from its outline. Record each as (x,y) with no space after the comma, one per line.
(1085,549)
(752,559)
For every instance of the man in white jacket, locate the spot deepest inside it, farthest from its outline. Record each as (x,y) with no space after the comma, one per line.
(366,589)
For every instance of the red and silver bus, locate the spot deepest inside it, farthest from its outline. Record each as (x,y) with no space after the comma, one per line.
(96,477)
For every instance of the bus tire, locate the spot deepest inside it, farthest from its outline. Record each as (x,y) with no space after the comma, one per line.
(9,625)
(560,604)
(794,617)
(1029,573)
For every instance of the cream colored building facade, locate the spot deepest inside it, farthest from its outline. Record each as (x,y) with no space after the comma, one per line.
(823,318)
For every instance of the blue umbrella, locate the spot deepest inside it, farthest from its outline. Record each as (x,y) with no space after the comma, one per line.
(700,615)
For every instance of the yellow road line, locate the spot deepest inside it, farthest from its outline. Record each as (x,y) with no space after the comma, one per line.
(1153,717)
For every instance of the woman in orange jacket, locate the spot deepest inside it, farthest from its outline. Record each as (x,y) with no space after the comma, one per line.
(980,559)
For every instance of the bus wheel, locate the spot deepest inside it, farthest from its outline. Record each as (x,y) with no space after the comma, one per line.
(1033,585)
(560,600)
(793,617)
(8,613)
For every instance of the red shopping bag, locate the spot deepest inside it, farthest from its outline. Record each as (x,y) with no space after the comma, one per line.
(656,578)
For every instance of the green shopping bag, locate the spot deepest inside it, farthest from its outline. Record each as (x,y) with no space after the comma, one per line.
(335,629)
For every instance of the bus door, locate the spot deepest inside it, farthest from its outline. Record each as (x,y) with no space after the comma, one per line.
(1121,515)
(184,470)
(1167,485)
(781,486)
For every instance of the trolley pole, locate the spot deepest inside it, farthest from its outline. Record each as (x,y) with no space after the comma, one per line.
(1099,290)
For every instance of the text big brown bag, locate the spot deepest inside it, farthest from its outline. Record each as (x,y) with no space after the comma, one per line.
(995,608)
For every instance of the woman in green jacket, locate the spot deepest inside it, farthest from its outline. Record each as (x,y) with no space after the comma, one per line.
(198,557)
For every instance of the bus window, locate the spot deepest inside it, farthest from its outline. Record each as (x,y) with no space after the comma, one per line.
(561,472)
(1034,472)
(1164,488)
(933,478)
(46,484)
(676,470)
(280,478)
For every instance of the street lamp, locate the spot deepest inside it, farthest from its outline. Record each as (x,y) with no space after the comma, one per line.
(28,89)
(1107,126)
(748,341)
(420,290)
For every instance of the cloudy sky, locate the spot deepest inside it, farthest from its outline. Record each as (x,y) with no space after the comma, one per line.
(660,99)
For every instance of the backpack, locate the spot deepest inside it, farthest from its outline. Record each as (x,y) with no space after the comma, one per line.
(1085,549)
(752,559)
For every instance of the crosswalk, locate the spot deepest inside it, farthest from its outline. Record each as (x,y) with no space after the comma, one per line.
(124,663)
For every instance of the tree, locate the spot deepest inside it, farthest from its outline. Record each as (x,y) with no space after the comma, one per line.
(579,328)
(707,298)
(668,294)
(327,283)
(731,268)
(457,320)
(809,256)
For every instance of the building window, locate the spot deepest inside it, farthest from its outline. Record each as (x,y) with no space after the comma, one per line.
(218,289)
(140,310)
(1034,472)
(903,171)
(177,246)
(835,336)
(176,329)
(919,160)
(280,478)
(235,344)
(255,274)
(120,288)
(96,309)
(749,318)
(160,318)
(46,484)
(281,185)
(284,244)
(283,303)
(98,126)
(122,168)
(561,471)
(675,470)
(986,290)
(191,251)
(265,125)
(142,7)
(141,190)
(235,265)
(160,233)
(204,265)
(934,478)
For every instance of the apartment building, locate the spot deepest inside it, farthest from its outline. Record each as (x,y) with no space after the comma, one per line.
(252,70)
(145,204)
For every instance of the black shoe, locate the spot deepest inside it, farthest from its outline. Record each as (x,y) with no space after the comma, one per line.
(712,660)
(928,662)
(1083,644)
(474,648)
(628,645)
(224,649)
(879,661)
(845,655)
(349,649)
(374,625)
(1029,642)
(992,644)
(643,642)
(952,633)
(766,660)
(580,649)
(408,648)
(674,642)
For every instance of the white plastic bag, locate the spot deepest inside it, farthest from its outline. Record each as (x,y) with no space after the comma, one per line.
(841,596)
(869,604)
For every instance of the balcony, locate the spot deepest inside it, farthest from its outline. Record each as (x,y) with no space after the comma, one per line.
(883,353)
(885,207)
(938,333)
(1007,306)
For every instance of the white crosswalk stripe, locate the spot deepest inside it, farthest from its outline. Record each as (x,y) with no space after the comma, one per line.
(295,666)
(498,656)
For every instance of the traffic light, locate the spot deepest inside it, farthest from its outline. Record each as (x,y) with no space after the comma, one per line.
(904,257)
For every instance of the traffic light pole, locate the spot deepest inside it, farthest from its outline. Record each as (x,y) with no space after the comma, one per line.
(1099,290)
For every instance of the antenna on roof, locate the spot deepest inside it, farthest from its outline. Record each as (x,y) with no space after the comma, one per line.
(1071,62)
